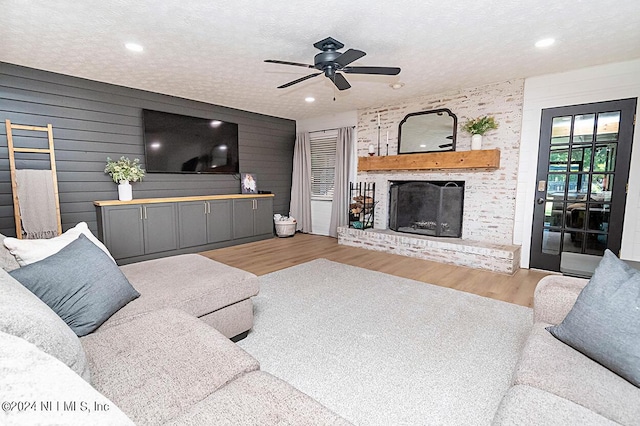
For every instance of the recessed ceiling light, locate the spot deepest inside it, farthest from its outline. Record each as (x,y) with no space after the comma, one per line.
(134,47)
(215,123)
(155,145)
(545,42)
(396,86)
(310,99)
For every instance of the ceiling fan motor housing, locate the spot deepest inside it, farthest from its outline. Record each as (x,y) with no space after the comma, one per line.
(325,61)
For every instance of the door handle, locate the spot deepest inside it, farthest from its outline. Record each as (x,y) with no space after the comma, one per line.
(145,211)
(540,200)
(205,207)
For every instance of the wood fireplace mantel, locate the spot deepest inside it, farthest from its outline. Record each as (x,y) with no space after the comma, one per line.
(485,159)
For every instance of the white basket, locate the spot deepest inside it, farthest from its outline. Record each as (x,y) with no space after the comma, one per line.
(285,228)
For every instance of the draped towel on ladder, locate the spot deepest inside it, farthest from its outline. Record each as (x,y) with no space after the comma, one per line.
(36,205)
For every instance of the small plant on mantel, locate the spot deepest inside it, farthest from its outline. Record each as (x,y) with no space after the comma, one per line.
(124,170)
(480,125)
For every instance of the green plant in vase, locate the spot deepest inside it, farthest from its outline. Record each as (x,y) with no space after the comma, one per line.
(478,127)
(123,172)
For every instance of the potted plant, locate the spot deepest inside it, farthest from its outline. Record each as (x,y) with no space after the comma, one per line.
(478,127)
(124,171)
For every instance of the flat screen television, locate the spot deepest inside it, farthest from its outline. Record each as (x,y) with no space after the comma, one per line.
(176,143)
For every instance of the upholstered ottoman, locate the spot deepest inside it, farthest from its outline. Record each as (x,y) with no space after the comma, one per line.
(218,294)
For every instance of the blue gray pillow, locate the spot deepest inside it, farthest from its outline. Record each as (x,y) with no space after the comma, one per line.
(604,323)
(80,283)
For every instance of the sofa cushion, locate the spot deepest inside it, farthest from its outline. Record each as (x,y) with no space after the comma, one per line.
(258,398)
(157,365)
(80,283)
(190,282)
(30,251)
(604,323)
(8,261)
(23,315)
(48,391)
(527,406)
(548,364)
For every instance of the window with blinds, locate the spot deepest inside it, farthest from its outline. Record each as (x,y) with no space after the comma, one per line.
(323,163)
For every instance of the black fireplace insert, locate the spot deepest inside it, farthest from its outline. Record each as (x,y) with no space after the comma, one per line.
(427,207)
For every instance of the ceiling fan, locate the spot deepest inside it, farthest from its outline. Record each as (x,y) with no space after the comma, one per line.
(331,63)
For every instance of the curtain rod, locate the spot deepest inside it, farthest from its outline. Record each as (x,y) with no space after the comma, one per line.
(328,130)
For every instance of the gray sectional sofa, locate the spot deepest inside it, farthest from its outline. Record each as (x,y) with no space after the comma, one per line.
(164,358)
(554,384)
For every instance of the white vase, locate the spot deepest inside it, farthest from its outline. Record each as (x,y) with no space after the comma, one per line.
(476,142)
(124,191)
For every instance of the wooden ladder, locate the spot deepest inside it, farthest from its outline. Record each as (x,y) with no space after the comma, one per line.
(12,167)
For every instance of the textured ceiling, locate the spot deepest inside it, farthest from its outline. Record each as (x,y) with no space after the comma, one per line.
(213,51)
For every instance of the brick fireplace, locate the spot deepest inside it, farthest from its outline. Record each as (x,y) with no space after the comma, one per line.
(486,240)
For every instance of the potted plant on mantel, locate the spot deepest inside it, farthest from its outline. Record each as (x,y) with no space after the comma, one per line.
(478,127)
(124,171)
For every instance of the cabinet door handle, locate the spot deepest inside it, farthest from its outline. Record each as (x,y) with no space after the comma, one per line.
(208,207)
(140,212)
(145,211)
(205,207)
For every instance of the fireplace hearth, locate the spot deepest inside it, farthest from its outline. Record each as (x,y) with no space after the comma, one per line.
(427,207)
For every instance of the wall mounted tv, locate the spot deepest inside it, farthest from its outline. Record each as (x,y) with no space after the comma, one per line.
(180,144)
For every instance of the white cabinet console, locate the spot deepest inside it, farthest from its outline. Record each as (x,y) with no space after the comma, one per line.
(156,227)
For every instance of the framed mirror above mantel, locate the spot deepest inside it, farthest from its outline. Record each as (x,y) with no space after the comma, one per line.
(427,131)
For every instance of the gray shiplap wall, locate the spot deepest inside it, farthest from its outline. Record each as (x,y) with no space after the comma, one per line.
(92,121)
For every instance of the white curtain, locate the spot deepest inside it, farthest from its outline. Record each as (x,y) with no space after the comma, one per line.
(340,205)
(301,183)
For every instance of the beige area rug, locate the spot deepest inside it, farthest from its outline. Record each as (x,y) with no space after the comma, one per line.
(383,350)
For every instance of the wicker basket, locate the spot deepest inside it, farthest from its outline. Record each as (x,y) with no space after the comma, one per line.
(285,228)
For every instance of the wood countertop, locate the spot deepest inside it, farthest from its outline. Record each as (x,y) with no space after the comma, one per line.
(179,199)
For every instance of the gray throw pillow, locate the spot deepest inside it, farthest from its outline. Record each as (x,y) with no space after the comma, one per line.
(80,283)
(604,323)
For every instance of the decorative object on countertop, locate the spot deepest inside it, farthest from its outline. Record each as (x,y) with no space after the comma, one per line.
(124,171)
(477,127)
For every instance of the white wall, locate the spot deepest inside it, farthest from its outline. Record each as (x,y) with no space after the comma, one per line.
(321,210)
(587,85)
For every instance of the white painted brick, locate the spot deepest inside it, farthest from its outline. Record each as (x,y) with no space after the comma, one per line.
(489,199)
(472,254)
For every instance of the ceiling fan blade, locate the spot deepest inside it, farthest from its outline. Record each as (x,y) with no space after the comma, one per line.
(349,56)
(291,83)
(340,82)
(372,70)
(273,61)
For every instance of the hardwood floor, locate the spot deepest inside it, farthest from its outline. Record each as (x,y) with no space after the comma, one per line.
(267,256)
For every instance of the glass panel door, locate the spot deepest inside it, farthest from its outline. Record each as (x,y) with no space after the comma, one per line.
(584,151)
